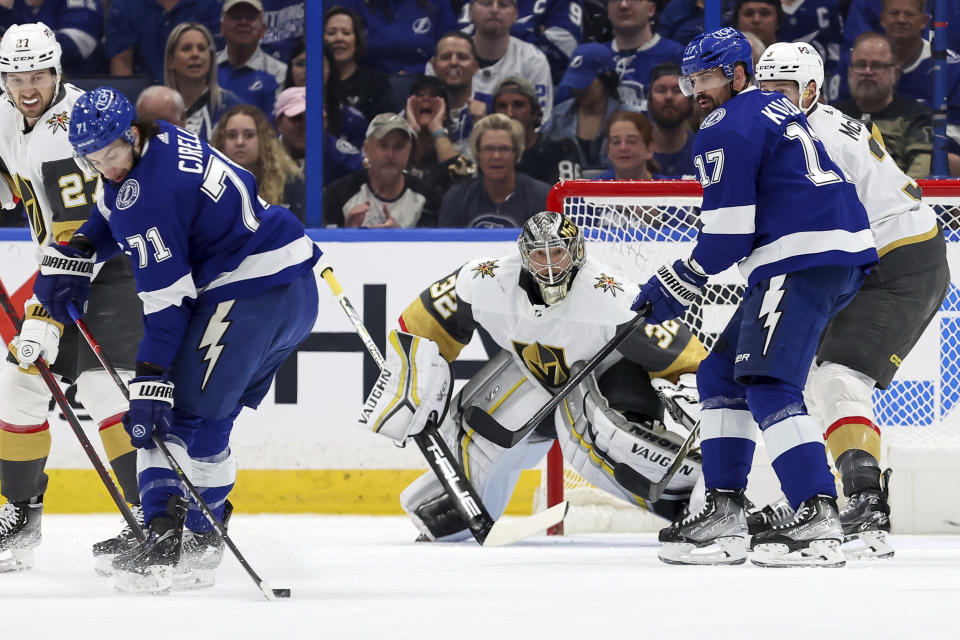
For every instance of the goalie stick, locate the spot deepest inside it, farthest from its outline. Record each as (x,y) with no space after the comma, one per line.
(48,378)
(488,427)
(485,530)
(268,592)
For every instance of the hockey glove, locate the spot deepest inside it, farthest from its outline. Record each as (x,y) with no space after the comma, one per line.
(413,387)
(65,275)
(674,288)
(151,410)
(39,337)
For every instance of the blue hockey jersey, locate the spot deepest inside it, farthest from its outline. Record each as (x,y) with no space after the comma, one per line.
(77,23)
(401,35)
(773,200)
(634,67)
(197,234)
(819,23)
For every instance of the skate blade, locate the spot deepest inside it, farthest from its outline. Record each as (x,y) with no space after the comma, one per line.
(819,553)
(152,580)
(191,579)
(13,560)
(726,550)
(868,545)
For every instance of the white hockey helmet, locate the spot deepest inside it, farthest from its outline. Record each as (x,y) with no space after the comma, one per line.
(26,47)
(552,249)
(793,61)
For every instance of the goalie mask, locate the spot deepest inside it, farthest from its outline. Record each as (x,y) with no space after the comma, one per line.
(552,249)
(794,62)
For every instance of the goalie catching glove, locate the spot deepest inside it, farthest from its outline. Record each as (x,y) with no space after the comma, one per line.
(412,389)
(39,337)
(671,290)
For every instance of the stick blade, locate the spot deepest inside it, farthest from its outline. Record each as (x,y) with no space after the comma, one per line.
(273,594)
(504,533)
(484,424)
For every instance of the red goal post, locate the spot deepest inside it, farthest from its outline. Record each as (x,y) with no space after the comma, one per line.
(635,226)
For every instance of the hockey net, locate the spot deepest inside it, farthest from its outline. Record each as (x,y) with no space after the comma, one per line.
(635,226)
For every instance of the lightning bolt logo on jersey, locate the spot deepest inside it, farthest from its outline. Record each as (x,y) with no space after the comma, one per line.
(770,308)
(212,337)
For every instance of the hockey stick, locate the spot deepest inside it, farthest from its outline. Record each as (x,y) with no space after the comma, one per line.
(468,503)
(74,423)
(268,592)
(488,427)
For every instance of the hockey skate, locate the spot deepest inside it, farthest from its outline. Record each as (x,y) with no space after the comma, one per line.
(106,550)
(148,567)
(716,534)
(19,534)
(866,523)
(773,514)
(811,539)
(201,555)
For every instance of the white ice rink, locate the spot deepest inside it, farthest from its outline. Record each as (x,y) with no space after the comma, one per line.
(364,577)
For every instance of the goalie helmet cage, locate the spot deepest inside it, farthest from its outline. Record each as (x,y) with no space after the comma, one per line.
(635,226)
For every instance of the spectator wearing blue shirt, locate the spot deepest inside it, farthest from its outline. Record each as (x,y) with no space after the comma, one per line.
(190,69)
(592,81)
(242,66)
(636,49)
(137,32)
(402,34)
(672,139)
(681,20)
(78,26)
(286,25)
(819,23)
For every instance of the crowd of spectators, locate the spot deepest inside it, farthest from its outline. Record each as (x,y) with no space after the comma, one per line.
(463,112)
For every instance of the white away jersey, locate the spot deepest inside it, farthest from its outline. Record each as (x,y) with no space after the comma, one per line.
(891,198)
(56,193)
(546,340)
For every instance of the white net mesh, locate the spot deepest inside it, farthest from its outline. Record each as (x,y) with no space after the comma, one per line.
(635,227)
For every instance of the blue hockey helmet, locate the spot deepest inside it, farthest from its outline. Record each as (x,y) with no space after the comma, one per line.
(100,117)
(722,48)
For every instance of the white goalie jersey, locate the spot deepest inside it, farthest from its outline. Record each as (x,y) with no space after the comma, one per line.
(891,198)
(546,340)
(56,193)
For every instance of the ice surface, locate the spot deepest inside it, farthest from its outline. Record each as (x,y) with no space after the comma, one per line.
(364,577)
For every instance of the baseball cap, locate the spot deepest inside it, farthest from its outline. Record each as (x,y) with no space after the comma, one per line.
(230,4)
(384,123)
(292,102)
(515,84)
(587,62)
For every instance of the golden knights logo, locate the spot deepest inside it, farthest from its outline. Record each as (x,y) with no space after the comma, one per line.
(608,283)
(548,364)
(59,121)
(484,269)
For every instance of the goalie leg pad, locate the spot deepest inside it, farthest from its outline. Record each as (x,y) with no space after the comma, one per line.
(414,385)
(501,388)
(606,449)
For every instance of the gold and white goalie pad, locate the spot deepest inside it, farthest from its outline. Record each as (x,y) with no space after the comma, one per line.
(599,442)
(412,389)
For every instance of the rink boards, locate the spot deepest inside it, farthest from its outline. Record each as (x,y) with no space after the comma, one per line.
(301,451)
